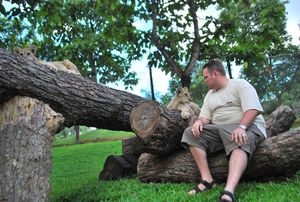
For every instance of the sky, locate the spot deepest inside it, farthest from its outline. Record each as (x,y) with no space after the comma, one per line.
(161,80)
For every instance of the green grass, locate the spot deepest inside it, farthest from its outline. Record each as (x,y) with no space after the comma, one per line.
(100,133)
(75,178)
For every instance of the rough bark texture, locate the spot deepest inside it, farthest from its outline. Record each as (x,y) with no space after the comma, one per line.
(280,120)
(132,146)
(275,159)
(80,100)
(27,127)
(160,129)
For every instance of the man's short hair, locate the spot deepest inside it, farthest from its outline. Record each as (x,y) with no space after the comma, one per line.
(215,65)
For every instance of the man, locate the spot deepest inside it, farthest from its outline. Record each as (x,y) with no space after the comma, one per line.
(230,119)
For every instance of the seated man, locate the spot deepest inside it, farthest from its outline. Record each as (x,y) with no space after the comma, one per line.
(230,119)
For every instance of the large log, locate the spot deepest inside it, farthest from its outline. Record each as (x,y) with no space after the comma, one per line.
(276,158)
(159,129)
(80,100)
(27,128)
(132,146)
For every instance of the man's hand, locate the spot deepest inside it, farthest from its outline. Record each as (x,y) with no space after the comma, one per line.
(197,128)
(239,136)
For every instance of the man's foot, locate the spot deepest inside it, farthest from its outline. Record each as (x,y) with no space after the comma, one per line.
(227,196)
(203,186)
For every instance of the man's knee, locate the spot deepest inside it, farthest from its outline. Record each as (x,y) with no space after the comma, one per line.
(188,131)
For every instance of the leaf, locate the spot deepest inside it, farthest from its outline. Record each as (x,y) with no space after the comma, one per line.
(221,3)
(264,20)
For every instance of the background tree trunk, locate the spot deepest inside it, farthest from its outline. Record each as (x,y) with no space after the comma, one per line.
(27,127)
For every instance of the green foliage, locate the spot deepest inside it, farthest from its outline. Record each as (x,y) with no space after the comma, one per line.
(15,33)
(102,38)
(66,132)
(270,106)
(279,80)
(246,34)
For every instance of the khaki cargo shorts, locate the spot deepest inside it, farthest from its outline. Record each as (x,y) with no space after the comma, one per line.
(214,138)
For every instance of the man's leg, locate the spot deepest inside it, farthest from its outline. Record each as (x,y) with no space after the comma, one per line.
(237,165)
(201,160)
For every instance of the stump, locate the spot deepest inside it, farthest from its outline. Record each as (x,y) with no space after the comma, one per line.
(27,128)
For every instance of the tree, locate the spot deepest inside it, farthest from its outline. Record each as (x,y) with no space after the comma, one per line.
(107,31)
(100,39)
(248,32)
(218,37)
(278,79)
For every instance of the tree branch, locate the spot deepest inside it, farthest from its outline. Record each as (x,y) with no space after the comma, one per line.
(156,41)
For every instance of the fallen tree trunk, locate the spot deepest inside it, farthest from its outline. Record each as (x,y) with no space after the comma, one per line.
(276,158)
(27,128)
(159,129)
(80,100)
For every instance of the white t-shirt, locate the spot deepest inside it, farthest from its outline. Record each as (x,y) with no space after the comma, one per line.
(228,105)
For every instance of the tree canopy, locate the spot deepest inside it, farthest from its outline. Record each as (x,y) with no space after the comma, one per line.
(103,38)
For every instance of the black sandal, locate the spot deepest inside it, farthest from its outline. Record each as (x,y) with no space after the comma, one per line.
(228,193)
(207,185)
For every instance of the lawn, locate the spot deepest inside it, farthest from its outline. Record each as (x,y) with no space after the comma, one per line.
(101,134)
(75,178)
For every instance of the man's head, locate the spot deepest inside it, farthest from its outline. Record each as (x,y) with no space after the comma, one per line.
(214,74)
(215,65)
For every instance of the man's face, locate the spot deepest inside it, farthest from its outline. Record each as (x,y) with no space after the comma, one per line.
(208,78)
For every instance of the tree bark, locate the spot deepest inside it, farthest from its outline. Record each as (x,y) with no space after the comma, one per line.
(132,146)
(27,127)
(159,129)
(80,100)
(275,158)
(118,166)
(280,120)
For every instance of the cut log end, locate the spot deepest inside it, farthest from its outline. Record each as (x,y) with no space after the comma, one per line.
(144,122)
